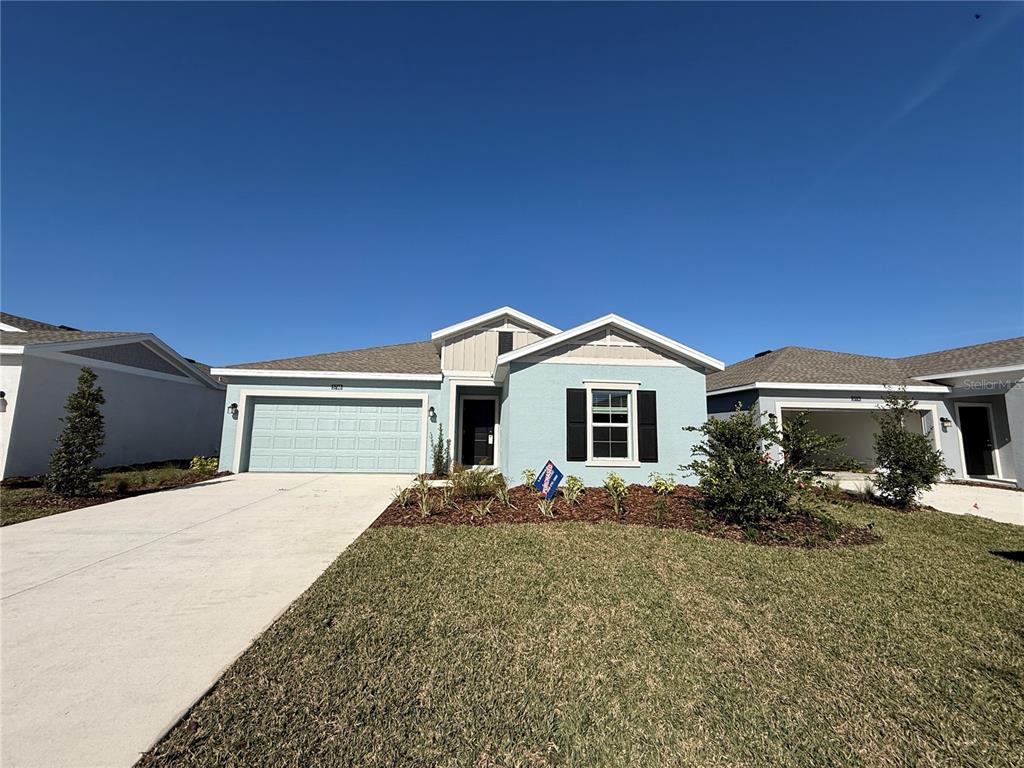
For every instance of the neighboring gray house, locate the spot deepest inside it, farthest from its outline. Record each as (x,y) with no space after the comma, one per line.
(509,390)
(971,399)
(159,405)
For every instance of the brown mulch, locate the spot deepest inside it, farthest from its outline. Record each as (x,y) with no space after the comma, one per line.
(681,510)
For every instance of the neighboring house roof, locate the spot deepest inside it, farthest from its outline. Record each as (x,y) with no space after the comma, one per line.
(415,358)
(1007,353)
(802,365)
(36,333)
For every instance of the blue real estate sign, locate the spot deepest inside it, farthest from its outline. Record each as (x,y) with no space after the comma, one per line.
(548,479)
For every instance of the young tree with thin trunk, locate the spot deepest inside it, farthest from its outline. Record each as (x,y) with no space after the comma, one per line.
(71,471)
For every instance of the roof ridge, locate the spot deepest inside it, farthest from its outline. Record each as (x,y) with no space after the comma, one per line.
(958,349)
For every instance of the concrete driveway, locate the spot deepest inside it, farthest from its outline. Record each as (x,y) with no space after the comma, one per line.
(1004,505)
(116,618)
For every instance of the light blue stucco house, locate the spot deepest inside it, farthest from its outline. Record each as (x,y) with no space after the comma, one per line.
(507,389)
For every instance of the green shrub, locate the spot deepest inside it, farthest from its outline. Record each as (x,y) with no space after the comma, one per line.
(546,507)
(476,483)
(71,471)
(440,453)
(663,485)
(448,500)
(572,489)
(501,492)
(482,508)
(618,491)
(739,480)
(423,501)
(402,496)
(201,465)
(529,477)
(660,508)
(808,451)
(908,463)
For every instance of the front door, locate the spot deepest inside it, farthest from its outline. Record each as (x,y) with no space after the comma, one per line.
(977,437)
(477,432)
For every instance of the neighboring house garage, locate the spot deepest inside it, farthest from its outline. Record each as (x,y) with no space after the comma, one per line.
(857,427)
(308,434)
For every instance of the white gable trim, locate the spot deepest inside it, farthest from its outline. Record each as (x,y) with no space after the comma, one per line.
(827,387)
(972,372)
(487,317)
(10,328)
(614,321)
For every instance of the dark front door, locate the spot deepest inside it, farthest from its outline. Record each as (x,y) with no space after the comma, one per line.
(477,432)
(977,437)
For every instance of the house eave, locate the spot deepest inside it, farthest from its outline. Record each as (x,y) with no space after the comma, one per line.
(922,388)
(486,317)
(277,373)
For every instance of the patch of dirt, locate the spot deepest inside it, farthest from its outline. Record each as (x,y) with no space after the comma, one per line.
(680,509)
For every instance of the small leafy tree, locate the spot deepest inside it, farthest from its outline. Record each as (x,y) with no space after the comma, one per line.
(440,453)
(739,480)
(908,463)
(71,471)
(808,451)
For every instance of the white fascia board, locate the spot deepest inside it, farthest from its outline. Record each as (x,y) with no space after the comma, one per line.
(828,387)
(11,349)
(10,328)
(494,314)
(622,324)
(972,372)
(277,373)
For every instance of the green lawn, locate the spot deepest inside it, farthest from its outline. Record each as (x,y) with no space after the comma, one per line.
(20,504)
(612,645)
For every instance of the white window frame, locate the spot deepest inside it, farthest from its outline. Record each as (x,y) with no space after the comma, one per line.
(630,387)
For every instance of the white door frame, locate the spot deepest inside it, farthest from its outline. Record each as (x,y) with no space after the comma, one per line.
(957,405)
(458,438)
(306,394)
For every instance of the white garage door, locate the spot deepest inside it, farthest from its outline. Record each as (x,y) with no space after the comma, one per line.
(335,435)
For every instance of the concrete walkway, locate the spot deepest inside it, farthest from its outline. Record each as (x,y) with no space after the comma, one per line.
(1004,505)
(116,618)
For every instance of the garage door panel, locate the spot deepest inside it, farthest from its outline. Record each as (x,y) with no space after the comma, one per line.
(335,436)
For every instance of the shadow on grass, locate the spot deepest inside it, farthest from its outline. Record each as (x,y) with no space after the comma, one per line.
(1017,557)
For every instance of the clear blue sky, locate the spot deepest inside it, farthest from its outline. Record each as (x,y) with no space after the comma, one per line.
(258,181)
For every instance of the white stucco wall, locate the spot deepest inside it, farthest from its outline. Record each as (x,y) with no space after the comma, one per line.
(10,381)
(147,418)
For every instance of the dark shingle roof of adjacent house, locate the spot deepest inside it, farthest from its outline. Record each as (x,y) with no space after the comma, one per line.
(38,332)
(993,354)
(801,365)
(418,357)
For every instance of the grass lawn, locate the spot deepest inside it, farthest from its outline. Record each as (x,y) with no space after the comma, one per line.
(20,504)
(611,645)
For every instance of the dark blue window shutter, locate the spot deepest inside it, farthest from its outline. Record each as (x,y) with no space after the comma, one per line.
(575,425)
(647,425)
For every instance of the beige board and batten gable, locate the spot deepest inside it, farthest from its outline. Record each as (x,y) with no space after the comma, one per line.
(607,345)
(477,348)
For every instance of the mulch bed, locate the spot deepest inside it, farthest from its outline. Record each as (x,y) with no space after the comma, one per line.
(681,510)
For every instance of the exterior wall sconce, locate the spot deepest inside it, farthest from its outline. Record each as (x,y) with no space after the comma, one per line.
(945,421)
(3,402)
(233,410)
(431,413)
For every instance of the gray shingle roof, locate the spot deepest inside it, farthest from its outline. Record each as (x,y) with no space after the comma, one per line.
(415,357)
(993,354)
(819,366)
(38,332)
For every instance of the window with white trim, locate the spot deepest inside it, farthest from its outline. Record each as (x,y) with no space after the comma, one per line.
(611,433)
